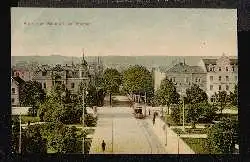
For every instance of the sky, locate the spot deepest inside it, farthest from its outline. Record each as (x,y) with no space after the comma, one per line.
(126,32)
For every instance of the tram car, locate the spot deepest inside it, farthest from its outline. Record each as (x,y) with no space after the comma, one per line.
(139,110)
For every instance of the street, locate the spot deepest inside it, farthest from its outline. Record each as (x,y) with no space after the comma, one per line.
(129,135)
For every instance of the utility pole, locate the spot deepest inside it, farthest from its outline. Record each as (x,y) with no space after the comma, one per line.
(145,97)
(20,135)
(83,106)
(166,126)
(183,115)
(178,137)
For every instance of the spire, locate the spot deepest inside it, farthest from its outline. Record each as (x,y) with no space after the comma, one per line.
(82,55)
(72,61)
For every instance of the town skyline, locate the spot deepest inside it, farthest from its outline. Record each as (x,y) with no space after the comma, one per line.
(130,32)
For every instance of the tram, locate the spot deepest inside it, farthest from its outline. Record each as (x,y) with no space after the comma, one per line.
(139,110)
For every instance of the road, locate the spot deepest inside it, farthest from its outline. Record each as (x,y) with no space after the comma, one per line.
(129,135)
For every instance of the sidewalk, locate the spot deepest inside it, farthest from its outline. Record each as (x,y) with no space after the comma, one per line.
(172,138)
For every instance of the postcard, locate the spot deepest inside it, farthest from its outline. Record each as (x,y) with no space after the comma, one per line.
(124,81)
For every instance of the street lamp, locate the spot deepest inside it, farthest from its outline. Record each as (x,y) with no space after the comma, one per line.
(20,135)
(183,110)
(83,113)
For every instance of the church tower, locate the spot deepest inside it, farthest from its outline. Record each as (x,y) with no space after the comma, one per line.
(83,70)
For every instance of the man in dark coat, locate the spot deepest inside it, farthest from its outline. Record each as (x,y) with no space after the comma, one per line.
(103,146)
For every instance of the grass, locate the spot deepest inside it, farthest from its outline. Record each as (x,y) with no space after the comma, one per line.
(197,144)
(26,118)
(51,151)
(190,131)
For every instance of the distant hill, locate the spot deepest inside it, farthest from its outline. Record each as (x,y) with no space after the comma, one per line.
(119,62)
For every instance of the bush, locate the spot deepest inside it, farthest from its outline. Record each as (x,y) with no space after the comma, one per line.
(223,136)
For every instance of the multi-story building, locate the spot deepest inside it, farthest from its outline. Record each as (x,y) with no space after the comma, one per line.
(183,76)
(15,85)
(22,72)
(212,75)
(69,75)
(222,74)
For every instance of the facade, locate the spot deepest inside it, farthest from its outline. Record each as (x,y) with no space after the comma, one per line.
(222,74)
(69,75)
(212,75)
(15,84)
(183,76)
(22,72)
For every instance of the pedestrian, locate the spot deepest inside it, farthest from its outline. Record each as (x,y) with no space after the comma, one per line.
(154,121)
(149,112)
(103,146)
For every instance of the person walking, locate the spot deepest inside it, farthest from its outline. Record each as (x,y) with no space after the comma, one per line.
(103,146)
(153,120)
(149,112)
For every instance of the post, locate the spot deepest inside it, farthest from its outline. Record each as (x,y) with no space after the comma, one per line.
(20,136)
(166,132)
(183,115)
(145,103)
(83,103)
(112,133)
(178,136)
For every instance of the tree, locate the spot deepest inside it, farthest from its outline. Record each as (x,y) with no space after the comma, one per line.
(234,96)
(112,81)
(194,113)
(31,141)
(65,140)
(195,94)
(222,98)
(223,136)
(138,80)
(91,97)
(34,142)
(167,94)
(31,94)
(200,112)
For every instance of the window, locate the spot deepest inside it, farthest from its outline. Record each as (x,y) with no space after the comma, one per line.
(12,100)
(226,68)
(236,78)
(72,85)
(13,90)
(219,87)
(44,85)
(233,68)
(219,78)
(199,80)
(196,79)
(211,78)
(211,87)
(227,87)
(227,78)
(44,73)
(82,74)
(219,68)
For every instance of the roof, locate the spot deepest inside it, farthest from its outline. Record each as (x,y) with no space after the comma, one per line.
(184,68)
(213,61)
(18,80)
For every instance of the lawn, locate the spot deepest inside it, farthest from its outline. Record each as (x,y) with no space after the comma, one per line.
(190,131)
(197,144)
(26,118)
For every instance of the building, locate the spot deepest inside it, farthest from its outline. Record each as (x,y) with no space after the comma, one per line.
(23,72)
(69,75)
(222,74)
(212,75)
(15,85)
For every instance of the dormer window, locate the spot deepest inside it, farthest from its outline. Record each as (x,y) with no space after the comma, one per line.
(44,73)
